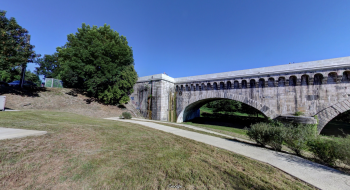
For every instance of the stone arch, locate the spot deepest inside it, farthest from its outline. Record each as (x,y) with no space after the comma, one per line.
(182,88)
(261,83)
(222,86)
(235,85)
(215,86)
(177,88)
(318,79)
(327,114)
(271,82)
(332,78)
(244,84)
(304,80)
(187,88)
(228,85)
(252,83)
(208,86)
(346,77)
(197,87)
(203,86)
(191,109)
(281,82)
(292,80)
(193,87)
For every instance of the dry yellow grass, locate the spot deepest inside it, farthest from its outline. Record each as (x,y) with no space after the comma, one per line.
(56,99)
(81,152)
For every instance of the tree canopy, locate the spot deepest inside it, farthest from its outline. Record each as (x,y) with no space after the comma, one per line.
(15,74)
(15,47)
(99,61)
(48,66)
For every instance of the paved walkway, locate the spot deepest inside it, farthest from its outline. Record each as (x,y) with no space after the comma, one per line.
(195,128)
(315,174)
(9,133)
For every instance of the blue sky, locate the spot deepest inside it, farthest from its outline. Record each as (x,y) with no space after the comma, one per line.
(185,38)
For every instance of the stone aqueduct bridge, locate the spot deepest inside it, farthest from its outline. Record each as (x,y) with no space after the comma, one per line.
(319,88)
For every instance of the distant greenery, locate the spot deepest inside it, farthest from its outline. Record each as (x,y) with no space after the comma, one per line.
(48,66)
(231,107)
(15,74)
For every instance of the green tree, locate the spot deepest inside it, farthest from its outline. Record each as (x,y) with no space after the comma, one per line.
(15,74)
(100,62)
(48,66)
(231,106)
(15,47)
(226,106)
(33,77)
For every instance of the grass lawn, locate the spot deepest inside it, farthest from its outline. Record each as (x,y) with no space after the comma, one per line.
(222,129)
(80,152)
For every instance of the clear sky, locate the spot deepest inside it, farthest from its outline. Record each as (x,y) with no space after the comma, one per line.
(188,37)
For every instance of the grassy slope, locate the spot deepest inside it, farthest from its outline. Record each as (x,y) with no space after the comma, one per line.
(82,152)
(56,99)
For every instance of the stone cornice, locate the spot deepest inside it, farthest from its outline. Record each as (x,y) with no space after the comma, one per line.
(312,66)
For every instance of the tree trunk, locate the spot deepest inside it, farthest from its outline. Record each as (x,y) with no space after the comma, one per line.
(21,82)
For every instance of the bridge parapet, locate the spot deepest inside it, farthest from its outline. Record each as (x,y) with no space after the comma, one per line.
(309,87)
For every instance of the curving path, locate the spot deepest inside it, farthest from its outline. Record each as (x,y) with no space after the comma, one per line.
(315,174)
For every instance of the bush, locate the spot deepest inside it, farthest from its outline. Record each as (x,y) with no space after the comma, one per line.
(298,113)
(259,133)
(296,137)
(267,134)
(343,149)
(275,137)
(126,115)
(327,150)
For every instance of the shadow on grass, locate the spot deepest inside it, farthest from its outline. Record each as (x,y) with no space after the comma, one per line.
(89,99)
(25,91)
(232,121)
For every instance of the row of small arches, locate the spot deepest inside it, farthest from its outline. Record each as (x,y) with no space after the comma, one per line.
(281,82)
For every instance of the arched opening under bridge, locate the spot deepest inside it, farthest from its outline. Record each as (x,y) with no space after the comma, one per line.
(339,126)
(225,113)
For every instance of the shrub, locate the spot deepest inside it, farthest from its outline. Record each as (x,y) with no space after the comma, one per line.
(343,149)
(296,137)
(298,113)
(126,115)
(270,133)
(259,133)
(275,137)
(327,150)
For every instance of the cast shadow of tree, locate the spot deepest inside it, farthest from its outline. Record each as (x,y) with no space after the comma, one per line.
(25,91)
(89,99)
